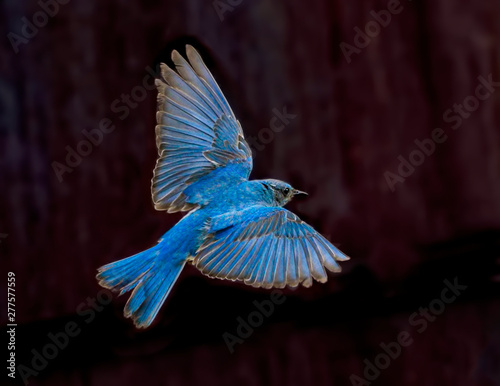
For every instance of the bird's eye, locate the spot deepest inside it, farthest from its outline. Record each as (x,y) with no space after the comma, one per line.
(286,191)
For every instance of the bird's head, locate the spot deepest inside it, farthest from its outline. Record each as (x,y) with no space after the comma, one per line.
(280,191)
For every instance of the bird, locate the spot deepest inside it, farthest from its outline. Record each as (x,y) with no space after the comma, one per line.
(235,228)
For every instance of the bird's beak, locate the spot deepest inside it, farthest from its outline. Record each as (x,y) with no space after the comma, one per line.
(297,192)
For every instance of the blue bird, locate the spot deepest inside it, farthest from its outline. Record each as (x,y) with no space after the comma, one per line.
(236,228)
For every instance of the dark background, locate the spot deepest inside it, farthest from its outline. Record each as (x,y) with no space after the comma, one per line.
(352,122)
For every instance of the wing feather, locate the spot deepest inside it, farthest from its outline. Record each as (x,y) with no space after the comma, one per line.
(266,247)
(196,134)
(207,78)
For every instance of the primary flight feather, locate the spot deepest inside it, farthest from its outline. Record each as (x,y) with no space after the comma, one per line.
(236,229)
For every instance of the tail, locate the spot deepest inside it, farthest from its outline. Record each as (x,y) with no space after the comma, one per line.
(149,275)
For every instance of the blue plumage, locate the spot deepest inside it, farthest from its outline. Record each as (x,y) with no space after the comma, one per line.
(236,229)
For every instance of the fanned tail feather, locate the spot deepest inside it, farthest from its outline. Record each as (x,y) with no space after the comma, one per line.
(149,275)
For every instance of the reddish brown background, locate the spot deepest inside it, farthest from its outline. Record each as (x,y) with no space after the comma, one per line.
(353,121)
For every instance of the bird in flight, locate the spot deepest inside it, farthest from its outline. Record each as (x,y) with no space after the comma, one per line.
(236,228)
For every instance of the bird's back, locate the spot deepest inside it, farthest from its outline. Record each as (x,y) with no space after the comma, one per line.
(238,196)
(231,196)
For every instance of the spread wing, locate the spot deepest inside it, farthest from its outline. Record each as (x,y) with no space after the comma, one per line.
(266,247)
(197,134)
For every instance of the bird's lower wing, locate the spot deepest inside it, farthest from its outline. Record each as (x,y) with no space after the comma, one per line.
(266,247)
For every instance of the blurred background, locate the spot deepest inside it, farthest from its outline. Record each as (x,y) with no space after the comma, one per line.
(363,84)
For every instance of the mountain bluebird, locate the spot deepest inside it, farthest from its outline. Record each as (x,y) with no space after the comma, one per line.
(236,229)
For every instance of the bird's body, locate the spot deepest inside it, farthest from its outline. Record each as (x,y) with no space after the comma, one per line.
(236,228)
(237,196)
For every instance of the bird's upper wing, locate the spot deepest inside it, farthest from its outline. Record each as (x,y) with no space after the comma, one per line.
(196,134)
(266,247)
